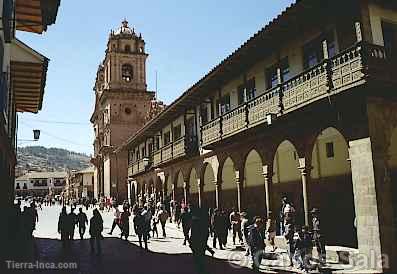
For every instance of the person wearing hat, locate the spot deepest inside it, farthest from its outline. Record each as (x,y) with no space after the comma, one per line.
(318,238)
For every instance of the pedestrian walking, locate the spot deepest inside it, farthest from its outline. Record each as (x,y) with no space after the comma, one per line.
(177,213)
(63,226)
(125,223)
(256,242)
(116,219)
(72,222)
(162,216)
(219,224)
(289,235)
(155,222)
(318,237)
(96,228)
(271,230)
(245,223)
(186,219)
(235,221)
(140,228)
(147,216)
(82,222)
(199,238)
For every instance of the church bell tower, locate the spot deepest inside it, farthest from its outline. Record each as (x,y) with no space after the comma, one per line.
(121,107)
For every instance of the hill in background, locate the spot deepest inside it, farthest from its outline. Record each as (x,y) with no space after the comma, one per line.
(38,158)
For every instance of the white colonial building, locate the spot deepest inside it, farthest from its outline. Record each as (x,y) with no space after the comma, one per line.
(41,183)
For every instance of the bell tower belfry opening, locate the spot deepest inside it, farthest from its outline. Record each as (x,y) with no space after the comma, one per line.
(122,104)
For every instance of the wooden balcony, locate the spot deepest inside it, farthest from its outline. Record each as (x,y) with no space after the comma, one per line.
(157,157)
(347,69)
(178,148)
(175,150)
(167,153)
(139,166)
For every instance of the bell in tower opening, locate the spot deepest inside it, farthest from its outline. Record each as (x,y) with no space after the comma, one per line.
(126,72)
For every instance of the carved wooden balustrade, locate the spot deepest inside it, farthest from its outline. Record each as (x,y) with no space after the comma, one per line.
(347,69)
(179,148)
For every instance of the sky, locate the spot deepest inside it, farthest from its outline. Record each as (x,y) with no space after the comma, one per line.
(184,40)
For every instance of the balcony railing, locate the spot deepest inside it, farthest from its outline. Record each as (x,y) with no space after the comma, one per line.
(139,166)
(167,153)
(157,157)
(178,148)
(211,131)
(343,71)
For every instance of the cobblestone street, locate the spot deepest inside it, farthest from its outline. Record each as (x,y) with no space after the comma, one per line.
(165,255)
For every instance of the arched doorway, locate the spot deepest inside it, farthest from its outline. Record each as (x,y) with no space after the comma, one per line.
(179,194)
(229,186)
(168,187)
(331,188)
(208,195)
(287,179)
(158,190)
(150,190)
(253,185)
(194,188)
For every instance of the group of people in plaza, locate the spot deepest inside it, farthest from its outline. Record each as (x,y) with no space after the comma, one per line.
(67,222)
(198,224)
(23,221)
(254,233)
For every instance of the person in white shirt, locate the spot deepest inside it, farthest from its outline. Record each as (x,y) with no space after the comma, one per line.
(116,219)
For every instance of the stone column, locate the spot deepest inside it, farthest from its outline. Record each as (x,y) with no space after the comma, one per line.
(200,191)
(129,197)
(376,233)
(305,169)
(173,192)
(146,192)
(163,186)
(239,191)
(186,192)
(268,176)
(218,193)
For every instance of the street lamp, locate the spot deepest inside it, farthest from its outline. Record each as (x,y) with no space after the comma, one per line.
(145,161)
(270,117)
(36,136)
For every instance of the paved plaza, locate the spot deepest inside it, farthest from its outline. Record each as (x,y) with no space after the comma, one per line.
(165,255)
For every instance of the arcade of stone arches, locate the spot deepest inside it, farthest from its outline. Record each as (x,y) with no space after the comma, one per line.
(312,173)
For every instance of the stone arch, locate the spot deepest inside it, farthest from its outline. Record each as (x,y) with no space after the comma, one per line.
(158,189)
(167,186)
(193,186)
(229,185)
(138,189)
(331,186)
(178,186)
(253,183)
(208,198)
(287,177)
(150,187)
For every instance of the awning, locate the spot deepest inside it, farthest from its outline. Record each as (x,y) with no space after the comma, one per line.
(28,77)
(35,15)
